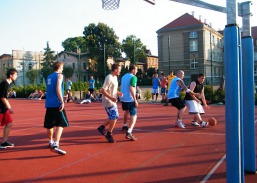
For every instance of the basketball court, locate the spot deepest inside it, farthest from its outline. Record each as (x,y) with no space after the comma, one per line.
(162,152)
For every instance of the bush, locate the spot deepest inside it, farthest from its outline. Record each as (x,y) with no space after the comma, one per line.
(147,95)
(209,94)
(219,96)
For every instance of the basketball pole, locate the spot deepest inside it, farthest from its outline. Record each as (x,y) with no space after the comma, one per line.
(248,91)
(232,54)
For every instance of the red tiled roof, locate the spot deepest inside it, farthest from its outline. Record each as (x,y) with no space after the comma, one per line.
(182,21)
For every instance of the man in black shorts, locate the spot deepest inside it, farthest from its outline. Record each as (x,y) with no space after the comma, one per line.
(55,114)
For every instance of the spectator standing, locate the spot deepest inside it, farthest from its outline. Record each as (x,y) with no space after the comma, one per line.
(91,83)
(155,87)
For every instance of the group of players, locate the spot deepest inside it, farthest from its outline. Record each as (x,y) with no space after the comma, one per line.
(55,115)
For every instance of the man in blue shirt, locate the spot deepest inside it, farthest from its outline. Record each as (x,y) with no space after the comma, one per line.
(55,114)
(129,101)
(91,83)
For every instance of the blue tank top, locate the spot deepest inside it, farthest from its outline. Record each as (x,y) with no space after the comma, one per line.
(174,89)
(155,83)
(125,88)
(52,99)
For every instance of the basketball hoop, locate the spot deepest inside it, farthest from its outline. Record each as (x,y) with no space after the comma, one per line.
(110,4)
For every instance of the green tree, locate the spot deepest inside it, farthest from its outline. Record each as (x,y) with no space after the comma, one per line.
(67,71)
(133,48)
(101,42)
(49,59)
(32,75)
(72,44)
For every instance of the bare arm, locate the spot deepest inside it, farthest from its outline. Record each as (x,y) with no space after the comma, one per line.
(104,92)
(183,86)
(58,90)
(192,87)
(7,104)
(132,91)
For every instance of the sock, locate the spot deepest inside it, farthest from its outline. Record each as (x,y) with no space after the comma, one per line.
(130,130)
(125,124)
(51,141)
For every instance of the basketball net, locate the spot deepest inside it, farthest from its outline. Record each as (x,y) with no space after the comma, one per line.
(110,4)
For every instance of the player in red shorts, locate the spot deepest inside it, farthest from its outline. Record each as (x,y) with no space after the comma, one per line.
(5,107)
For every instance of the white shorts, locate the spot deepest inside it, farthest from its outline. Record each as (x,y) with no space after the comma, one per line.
(155,91)
(194,107)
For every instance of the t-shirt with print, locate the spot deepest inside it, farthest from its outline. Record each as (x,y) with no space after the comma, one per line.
(110,86)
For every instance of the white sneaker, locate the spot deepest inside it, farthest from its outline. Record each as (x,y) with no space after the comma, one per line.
(179,124)
(204,124)
(194,123)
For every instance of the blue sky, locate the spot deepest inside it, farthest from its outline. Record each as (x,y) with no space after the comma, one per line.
(29,24)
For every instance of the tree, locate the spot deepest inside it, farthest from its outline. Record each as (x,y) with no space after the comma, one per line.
(67,72)
(49,59)
(32,75)
(101,42)
(133,48)
(71,44)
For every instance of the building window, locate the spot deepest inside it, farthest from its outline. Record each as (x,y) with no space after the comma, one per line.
(30,66)
(84,66)
(255,71)
(193,63)
(193,45)
(255,56)
(73,65)
(193,34)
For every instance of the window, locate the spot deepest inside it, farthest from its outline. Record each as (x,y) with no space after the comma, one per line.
(193,34)
(255,56)
(73,65)
(193,45)
(255,71)
(84,66)
(193,63)
(30,66)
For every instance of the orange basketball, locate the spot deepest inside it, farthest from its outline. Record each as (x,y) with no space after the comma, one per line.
(212,121)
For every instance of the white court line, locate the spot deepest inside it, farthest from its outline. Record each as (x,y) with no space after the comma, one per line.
(213,169)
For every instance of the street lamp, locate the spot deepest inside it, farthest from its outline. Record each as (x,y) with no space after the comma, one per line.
(79,72)
(169,51)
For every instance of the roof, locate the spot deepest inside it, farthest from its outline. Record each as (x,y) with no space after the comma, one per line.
(182,21)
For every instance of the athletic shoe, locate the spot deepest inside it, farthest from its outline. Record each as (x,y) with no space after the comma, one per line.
(2,147)
(194,123)
(7,144)
(204,124)
(50,144)
(130,136)
(101,130)
(179,124)
(58,150)
(125,128)
(109,137)
(166,104)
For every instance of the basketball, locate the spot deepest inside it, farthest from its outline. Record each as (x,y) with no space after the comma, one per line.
(212,121)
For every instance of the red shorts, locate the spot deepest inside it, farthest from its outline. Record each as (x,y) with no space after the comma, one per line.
(5,118)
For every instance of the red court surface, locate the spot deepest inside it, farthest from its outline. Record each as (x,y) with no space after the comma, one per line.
(162,152)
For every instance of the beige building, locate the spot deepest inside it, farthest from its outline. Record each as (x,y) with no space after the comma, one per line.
(191,45)
(79,62)
(23,61)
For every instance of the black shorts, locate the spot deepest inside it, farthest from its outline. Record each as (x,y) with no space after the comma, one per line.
(91,90)
(54,117)
(177,102)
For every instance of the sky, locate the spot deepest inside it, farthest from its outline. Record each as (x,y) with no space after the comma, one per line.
(28,24)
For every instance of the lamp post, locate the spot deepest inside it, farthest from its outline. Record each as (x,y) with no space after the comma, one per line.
(79,72)
(134,51)
(169,51)
(104,62)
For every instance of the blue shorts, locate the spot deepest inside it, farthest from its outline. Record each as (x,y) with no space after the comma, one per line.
(112,112)
(130,106)
(163,90)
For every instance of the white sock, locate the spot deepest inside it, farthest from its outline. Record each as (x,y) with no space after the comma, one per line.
(130,130)
(125,124)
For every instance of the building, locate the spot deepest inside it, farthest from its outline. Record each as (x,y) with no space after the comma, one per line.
(79,62)
(191,45)
(151,61)
(23,61)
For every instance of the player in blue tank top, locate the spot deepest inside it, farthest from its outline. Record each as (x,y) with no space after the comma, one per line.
(55,114)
